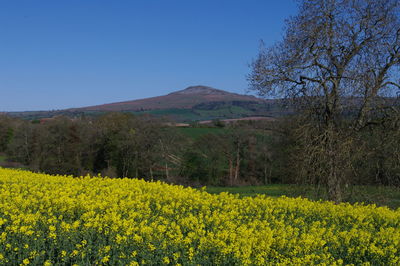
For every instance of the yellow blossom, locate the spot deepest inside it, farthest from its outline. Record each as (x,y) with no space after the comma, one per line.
(166,260)
(126,220)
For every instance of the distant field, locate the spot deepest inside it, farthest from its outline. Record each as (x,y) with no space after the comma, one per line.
(379,195)
(224,112)
(2,158)
(175,114)
(195,114)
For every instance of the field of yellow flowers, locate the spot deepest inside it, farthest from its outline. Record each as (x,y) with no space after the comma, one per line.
(61,220)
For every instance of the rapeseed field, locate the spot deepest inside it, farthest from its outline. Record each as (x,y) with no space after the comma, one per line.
(61,220)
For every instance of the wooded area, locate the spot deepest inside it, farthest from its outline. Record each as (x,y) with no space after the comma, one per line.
(119,144)
(244,153)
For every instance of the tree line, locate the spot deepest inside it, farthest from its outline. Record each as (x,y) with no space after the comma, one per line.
(125,145)
(245,153)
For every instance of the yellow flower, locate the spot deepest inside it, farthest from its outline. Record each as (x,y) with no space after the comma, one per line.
(151,247)
(166,260)
(185,224)
(105,259)
(176,255)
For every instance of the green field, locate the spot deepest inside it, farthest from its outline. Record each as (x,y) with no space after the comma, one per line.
(2,158)
(379,195)
(173,113)
(197,114)
(224,112)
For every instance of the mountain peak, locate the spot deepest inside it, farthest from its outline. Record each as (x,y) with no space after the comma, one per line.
(200,89)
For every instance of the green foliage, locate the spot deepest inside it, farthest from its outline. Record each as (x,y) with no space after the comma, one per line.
(197,132)
(227,156)
(6,132)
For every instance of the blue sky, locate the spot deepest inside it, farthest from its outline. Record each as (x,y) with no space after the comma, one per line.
(61,54)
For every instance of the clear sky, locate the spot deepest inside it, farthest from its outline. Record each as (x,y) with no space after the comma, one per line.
(73,53)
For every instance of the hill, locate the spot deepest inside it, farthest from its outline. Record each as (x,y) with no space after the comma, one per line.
(183,99)
(195,103)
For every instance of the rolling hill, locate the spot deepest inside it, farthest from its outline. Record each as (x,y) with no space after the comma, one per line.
(183,99)
(195,103)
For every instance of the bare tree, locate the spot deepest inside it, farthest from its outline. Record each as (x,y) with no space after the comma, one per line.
(336,56)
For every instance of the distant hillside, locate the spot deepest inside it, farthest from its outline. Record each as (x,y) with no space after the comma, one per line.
(195,103)
(183,99)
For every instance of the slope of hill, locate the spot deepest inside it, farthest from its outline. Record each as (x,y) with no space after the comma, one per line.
(183,99)
(194,103)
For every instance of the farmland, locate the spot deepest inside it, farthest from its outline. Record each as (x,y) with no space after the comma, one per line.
(379,195)
(92,220)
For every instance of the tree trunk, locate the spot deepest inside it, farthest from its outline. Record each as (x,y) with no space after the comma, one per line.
(237,167)
(151,174)
(333,161)
(334,188)
(166,171)
(231,172)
